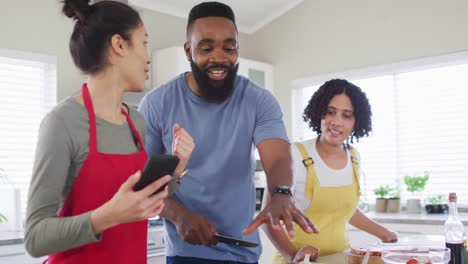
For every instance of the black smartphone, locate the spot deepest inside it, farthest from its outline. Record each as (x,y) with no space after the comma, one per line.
(156,167)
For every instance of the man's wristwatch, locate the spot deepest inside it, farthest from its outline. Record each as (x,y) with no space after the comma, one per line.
(282,189)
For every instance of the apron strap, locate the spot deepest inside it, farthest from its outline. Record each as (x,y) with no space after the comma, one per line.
(135,133)
(355,164)
(92,118)
(92,122)
(309,164)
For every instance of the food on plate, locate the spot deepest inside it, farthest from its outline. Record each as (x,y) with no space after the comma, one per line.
(374,250)
(415,255)
(412,261)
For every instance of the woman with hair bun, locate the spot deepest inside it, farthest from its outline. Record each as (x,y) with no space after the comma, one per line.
(90,150)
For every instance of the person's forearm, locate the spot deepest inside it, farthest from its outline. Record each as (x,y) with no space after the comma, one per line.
(364,223)
(281,242)
(102,219)
(277,162)
(56,234)
(279,174)
(172,210)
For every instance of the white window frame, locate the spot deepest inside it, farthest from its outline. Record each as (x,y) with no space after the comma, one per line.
(370,72)
(10,182)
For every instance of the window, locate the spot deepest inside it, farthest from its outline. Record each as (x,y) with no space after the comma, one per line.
(28,92)
(419,123)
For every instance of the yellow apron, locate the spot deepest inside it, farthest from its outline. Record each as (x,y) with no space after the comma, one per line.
(330,210)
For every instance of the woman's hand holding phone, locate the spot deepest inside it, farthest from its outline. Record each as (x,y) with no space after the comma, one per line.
(128,205)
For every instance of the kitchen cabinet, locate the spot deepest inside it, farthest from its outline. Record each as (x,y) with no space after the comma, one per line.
(157,258)
(168,63)
(156,251)
(259,72)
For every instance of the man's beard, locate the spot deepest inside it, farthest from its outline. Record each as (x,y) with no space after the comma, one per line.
(216,91)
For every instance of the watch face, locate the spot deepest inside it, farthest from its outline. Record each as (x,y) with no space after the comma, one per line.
(282,189)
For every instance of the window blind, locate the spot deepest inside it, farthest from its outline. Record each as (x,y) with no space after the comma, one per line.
(418,125)
(28,92)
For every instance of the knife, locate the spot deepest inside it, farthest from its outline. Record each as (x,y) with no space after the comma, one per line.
(365,260)
(234,241)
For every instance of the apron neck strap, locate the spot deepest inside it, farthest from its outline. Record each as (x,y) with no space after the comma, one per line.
(91,116)
(135,134)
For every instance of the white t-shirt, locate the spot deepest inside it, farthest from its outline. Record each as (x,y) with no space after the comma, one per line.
(327,176)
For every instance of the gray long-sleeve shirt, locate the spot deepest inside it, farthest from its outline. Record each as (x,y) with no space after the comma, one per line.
(61,150)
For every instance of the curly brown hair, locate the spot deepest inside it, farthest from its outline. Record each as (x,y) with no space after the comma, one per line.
(318,105)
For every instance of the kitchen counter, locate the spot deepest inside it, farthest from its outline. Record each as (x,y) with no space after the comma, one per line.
(11,238)
(17,237)
(17,254)
(407,218)
(12,248)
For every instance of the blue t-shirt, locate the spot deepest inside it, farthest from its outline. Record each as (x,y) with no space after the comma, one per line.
(220,181)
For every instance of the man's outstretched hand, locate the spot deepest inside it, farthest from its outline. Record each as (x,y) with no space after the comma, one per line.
(282,208)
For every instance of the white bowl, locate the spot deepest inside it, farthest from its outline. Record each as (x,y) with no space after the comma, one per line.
(424,254)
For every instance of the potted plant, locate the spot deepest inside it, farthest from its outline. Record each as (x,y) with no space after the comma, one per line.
(393,202)
(415,184)
(3,218)
(3,179)
(381,201)
(435,205)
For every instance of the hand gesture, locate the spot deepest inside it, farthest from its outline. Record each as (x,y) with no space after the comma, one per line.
(282,208)
(312,253)
(182,146)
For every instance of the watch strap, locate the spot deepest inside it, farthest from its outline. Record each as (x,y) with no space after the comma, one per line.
(282,189)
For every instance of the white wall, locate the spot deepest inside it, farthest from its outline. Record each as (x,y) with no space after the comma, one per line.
(316,37)
(323,36)
(38,26)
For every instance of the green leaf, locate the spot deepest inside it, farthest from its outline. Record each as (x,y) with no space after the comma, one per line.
(435,199)
(416,183)
(3,218)
(382,191)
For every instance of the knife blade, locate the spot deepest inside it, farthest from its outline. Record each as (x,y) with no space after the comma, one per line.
(234,241)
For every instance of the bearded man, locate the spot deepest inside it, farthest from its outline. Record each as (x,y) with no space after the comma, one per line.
(228,116)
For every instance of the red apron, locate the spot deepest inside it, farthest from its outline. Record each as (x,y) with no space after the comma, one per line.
(99,179)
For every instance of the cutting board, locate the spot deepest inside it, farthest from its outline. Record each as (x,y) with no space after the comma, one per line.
(351,258)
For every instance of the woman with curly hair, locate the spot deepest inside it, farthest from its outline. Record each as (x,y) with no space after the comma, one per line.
(326,174)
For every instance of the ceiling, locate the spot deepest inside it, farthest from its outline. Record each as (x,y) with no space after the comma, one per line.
(251,15)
